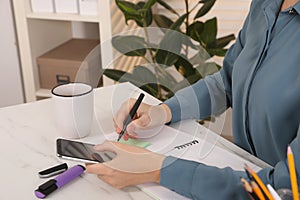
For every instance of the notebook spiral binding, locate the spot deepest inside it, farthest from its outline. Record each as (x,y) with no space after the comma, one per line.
(186,144)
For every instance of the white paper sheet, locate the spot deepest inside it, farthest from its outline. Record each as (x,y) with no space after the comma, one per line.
(205,152)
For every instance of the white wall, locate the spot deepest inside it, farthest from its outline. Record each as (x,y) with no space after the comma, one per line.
(10,79)
(85,30)
(230,13)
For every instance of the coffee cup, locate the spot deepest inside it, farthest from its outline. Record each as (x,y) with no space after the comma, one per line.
(74,109)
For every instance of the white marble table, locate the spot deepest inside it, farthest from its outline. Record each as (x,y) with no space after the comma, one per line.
(28,133)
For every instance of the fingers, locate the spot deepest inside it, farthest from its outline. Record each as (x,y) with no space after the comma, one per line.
(140,123)
(147,117)
(122,114)
(99,169)
(106,174)
(106,146)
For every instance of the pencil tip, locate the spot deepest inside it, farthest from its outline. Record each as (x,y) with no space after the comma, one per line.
(289,150)
(247,167)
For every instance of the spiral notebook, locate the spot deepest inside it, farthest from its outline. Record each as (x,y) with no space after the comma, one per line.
(179,144)
(172,142)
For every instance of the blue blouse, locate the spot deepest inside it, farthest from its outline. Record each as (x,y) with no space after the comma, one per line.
(260,80)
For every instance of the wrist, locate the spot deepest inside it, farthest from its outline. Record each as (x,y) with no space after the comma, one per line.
(168,113)
(154,176)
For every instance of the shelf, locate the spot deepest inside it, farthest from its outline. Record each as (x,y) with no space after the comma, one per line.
(63,17)
(38,33)
(45,93)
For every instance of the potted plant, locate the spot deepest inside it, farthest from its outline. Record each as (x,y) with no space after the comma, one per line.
(185,45)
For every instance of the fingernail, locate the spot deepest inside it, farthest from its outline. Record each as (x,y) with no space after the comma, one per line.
(125,137)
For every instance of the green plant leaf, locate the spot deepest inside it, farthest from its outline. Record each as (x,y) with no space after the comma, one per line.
(164,74)
(194,30)
(200,56)
(186,82)
(165,83)
(130,45)
(136,78)
(207,68)
(209,32)
(199,37)
(118,75)
(146,15)
(149,4)
(204,1)
(184,67)
(196,59)
(130,11)
(162,21)
(153,47)
(207,5)
(136,12)
(127,7)
(167,6)
(217,52)
(222,42)
(176,25)
(166,58)
(144,75)
(146,79)
(194,78)
(188,42)
(169,48)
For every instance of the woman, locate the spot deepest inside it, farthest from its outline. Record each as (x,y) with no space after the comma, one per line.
(261,81)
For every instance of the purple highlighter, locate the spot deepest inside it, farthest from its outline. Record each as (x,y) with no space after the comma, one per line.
(61,180)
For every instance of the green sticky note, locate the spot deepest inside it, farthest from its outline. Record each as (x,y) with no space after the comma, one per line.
(135,142)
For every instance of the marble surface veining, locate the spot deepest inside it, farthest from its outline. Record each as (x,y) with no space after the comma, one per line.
(27,145)
(28,134)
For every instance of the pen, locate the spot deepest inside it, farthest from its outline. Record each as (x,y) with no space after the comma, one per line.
(58,182)
(131,115)
(259,182)
(292,170)
(273,192)
(53,170)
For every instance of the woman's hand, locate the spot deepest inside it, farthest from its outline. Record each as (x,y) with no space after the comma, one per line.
(147,117)
(131,166)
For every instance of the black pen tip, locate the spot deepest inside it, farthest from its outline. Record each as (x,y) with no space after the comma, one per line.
(120,136)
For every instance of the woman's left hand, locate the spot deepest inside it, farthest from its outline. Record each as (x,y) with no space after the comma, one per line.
(131,166)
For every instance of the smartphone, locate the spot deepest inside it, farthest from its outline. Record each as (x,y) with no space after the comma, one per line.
(82,152)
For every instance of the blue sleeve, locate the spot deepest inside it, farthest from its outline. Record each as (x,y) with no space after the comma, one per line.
(199,181)
(279,176)
(211,95)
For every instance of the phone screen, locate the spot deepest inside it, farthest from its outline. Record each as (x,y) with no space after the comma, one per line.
(79,151)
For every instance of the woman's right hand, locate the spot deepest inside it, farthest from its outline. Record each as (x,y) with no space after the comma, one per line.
(147,117)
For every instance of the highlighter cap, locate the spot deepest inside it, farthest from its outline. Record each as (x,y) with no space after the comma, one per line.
(45,189)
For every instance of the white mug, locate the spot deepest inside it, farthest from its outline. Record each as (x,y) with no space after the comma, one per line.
(74,108)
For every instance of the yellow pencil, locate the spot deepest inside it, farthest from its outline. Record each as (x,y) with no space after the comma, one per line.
(292,170)
(259,183)
(257,191)
(247,187)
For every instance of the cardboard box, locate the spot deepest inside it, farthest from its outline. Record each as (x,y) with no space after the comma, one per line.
(88,7)
(77,60)
(66,6)
(42,6)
